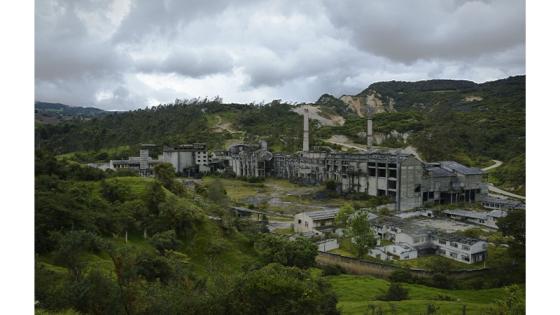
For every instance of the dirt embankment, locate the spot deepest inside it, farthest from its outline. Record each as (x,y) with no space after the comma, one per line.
(315,114)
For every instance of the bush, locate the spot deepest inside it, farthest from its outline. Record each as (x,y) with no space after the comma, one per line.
(395,293)
(402,276)
(332,270)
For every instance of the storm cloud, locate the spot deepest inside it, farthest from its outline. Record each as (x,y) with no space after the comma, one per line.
(126,54)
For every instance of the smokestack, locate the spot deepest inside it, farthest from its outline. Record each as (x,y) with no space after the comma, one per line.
(370,134)
(305,130)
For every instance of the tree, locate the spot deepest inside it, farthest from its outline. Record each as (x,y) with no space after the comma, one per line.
(165,241)
(395,292)
(276,249)
(114,191)
(217,193)
(361,233)
(165,173)
(345,211)
(276,289)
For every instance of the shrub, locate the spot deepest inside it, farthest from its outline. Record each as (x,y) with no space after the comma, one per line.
(396,292)
(402,276)
(332,270)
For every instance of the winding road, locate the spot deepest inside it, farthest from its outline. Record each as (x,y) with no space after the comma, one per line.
(496,190)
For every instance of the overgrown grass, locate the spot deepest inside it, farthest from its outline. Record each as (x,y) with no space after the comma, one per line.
(355,293)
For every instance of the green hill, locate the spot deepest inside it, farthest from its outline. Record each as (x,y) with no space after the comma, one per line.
(443,119)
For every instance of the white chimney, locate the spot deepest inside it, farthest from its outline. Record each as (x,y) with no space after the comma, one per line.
(305,130)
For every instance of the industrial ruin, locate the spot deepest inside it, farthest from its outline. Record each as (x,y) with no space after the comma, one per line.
(408,181)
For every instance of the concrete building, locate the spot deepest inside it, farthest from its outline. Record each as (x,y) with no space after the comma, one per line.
(485,218)
(400,251)
(187,159)
(464,249)
(407,181)
(317,222)
(496,203)
(248,160)
(426,241)
(143,164)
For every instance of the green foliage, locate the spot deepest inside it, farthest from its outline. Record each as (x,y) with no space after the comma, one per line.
(164,241)
(165,173)
(362,235)
(114,191)
(510,175)
(345,211)
(277,249)
(401,276)
(217,192)
(395,292)
(276,289)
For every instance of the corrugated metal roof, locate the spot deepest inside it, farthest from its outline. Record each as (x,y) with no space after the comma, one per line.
(460,168)
(467,213)
(322,214)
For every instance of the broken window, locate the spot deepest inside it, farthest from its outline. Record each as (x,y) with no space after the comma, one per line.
(392,184)
(381,192)
(392,173)
(381,172)
(381,165)
(371,172)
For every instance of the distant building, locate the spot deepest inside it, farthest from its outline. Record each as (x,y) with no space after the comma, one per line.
(496,203)
(486,218)
(407,236)
(143,164)
(317,222)
(187,159)
(400,251)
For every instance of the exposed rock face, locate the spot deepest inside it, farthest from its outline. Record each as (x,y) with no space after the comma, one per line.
(360,104)
(472,98)
(316,114)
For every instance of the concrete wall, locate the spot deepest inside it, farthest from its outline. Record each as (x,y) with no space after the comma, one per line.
(326,245)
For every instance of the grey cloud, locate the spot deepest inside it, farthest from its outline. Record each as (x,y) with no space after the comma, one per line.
(406,31)
(265,49)
(190,63)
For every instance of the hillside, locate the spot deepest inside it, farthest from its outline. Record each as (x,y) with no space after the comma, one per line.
(53,113)
(443,119)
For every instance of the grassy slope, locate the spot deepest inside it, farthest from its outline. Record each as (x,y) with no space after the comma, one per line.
(356,292)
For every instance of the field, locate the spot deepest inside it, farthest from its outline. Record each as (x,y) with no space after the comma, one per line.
(276,195)
(355,293)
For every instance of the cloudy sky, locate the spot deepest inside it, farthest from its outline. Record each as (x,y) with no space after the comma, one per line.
(126,54)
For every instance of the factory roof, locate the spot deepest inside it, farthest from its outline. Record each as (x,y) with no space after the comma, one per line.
(457,238)
(322,214)
(436,171)
(460,168)
(467,213)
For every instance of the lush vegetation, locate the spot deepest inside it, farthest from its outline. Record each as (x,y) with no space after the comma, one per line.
(368,295)
(107,244)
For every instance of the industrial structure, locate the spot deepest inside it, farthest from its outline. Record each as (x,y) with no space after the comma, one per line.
(408,181)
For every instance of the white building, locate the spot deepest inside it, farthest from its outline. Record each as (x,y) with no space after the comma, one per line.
(485,218)
(400,251)
(315,221)
(424,241)
(464,249)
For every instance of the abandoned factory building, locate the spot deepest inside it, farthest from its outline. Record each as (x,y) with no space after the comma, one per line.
(410,182)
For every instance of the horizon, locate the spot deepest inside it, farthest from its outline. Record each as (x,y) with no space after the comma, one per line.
(264,102)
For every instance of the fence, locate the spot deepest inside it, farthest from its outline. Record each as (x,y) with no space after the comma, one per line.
(364,267)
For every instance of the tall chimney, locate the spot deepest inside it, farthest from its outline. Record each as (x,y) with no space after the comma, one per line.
(370,134)
(305,130)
